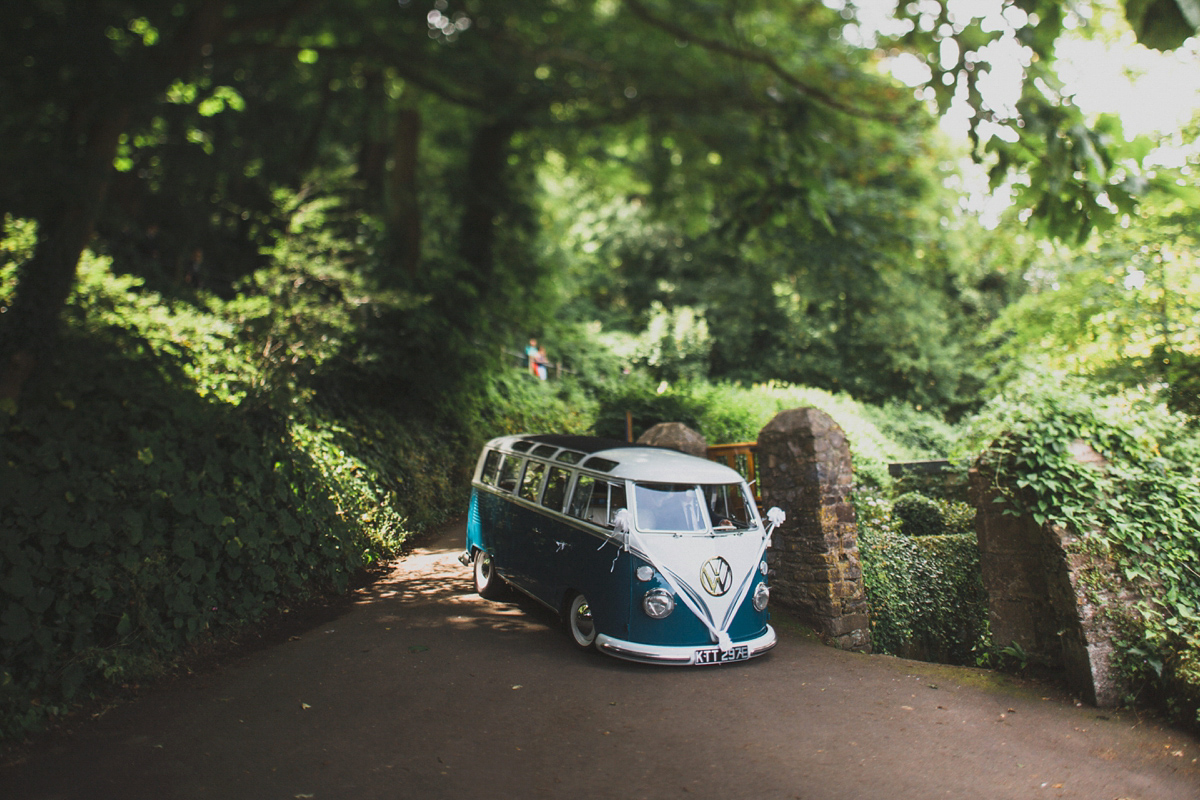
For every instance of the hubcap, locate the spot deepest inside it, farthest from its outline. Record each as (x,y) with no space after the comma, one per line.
(585,629)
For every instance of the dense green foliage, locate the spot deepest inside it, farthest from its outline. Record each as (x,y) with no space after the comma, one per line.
(1122,309)
(192,473)
(1140,508)
(678,173)
(926,595)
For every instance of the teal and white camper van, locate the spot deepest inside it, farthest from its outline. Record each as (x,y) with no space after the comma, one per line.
(648,554)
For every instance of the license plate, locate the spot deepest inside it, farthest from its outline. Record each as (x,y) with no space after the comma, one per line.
(714,655)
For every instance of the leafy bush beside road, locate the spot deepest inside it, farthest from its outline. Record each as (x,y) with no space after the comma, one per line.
(186,472)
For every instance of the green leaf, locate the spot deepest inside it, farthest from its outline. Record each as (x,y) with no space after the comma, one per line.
(19,582)
(15,624)
(79,534)
(134,522)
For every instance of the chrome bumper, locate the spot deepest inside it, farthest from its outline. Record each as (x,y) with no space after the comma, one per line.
(680,656)
(464,558)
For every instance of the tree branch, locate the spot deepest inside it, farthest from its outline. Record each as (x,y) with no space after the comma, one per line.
(268,19)
(754,57)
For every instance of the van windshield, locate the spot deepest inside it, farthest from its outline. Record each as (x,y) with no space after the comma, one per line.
(668,507)
(730,506)
(687,508)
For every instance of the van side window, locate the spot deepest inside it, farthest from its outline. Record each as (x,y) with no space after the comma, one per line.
(616,501)
(532,481)
(556,488)
(509,473)
(597,501)
(491,468)
(582,497)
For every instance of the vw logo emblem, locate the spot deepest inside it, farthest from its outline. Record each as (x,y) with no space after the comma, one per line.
(716,576)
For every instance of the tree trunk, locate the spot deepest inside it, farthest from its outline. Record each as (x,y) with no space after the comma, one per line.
(373,149)
(45,281)
(404,210)
(486,196)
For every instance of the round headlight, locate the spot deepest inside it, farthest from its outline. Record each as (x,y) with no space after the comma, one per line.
(761,596)
(658,604)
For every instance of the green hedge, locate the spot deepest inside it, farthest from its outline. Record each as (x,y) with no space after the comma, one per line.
(920,515)
(139,517)
(925,593)
(725,413)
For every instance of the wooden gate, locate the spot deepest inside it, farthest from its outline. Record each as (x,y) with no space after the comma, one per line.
(739,456)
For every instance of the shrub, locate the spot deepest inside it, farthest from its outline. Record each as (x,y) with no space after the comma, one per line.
(918,515)
(639,396)
(959,517)
(926,594)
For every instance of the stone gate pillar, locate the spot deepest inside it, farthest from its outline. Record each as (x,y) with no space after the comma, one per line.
(1047,592)
(676,436)
(804,468)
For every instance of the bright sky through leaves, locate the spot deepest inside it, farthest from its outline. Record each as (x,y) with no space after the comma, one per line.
(1152,92)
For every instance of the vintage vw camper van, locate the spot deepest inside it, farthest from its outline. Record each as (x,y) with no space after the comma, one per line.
(648,554)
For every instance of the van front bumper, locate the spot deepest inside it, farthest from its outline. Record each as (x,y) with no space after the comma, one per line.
(680,656)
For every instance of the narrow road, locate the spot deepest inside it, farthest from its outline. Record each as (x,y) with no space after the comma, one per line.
(423,690)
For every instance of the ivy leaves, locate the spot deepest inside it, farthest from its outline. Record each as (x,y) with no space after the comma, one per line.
(148,503)
(1099,466)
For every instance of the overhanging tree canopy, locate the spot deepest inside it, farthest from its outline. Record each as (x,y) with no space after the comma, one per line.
(444,111)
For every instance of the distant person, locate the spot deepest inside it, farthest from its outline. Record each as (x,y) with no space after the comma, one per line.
(194,269)
(531,357)
(543,361)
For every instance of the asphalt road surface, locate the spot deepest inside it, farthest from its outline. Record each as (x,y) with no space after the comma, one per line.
(424,690)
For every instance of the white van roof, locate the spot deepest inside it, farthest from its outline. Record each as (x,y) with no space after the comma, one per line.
(619,459)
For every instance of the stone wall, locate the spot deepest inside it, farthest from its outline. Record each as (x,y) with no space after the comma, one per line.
(1049,592)
(1012,558)
(804,468)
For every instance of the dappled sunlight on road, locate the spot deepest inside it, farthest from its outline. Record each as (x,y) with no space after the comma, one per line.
(430,589)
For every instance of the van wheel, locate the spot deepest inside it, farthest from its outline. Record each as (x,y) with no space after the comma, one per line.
(488,584)
(580,623)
